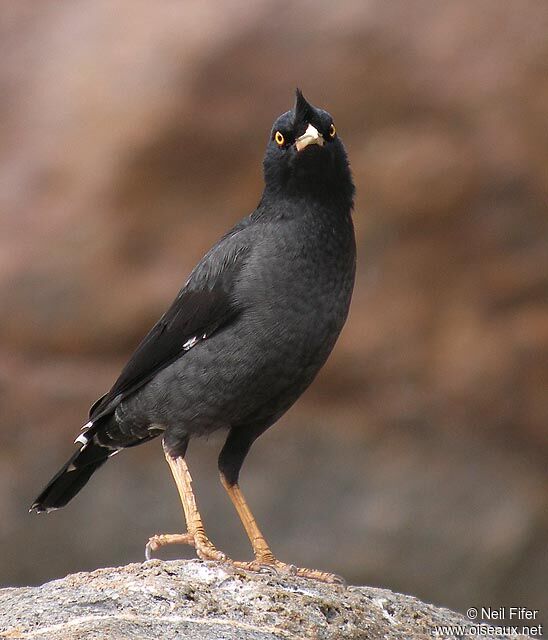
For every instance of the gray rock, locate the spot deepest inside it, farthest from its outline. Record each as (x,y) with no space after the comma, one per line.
(201,600)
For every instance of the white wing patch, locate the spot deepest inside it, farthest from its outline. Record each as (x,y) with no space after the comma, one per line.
(193,341)
(190,343)
(82,438)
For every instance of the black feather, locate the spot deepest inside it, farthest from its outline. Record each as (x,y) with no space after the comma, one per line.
(71,477)
(303,111)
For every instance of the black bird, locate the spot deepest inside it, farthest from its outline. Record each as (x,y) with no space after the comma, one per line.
(245,336)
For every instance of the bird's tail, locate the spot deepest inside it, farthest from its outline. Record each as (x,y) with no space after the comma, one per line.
(73,475)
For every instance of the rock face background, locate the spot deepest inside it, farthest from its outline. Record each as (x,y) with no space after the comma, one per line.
(132,137)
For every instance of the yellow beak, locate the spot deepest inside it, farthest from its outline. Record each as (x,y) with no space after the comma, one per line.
(310,136)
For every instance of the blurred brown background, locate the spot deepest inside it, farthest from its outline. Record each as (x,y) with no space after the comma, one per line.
(132,137)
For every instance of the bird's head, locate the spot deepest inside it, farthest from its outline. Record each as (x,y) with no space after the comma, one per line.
(305,155)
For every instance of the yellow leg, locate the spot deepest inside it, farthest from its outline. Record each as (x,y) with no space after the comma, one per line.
(196,535)
(264,558)
(259,544)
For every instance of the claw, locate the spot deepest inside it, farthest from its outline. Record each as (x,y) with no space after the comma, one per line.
(268,569)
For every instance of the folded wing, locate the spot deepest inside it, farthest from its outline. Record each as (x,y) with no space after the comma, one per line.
(204,305)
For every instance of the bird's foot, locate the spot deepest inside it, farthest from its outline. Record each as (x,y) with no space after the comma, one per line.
(321,576)
(205,549)
(276,567)
(162,539)
(268,564)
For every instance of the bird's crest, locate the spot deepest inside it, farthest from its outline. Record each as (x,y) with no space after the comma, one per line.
(303,110)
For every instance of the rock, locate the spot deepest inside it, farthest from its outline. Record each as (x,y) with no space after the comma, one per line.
(203,600)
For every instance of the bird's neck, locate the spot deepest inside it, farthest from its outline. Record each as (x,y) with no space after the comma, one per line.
(315,213)
(318,196)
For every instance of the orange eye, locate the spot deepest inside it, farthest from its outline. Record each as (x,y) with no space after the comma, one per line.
(332,131)
(279,138)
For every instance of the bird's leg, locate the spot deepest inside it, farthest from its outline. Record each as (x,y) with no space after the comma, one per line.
(196,535)
(261,549)
(264,558)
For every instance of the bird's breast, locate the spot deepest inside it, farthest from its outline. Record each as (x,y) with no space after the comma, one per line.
(298,286)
